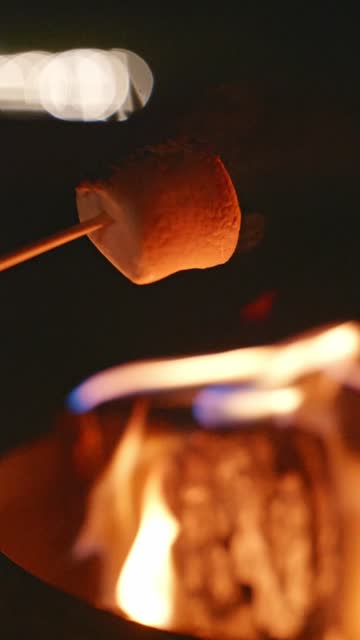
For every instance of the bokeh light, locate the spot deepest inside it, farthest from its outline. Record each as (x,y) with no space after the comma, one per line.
(79,84)
(83,85)
(19,80)
(141,82)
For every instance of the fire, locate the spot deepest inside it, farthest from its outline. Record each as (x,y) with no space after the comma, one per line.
(211,532)
(272,366)
(120,472)
(129,526)
(145,587)
(234,406)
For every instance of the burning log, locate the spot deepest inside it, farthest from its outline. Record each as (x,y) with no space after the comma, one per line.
(234,534)
(257,551)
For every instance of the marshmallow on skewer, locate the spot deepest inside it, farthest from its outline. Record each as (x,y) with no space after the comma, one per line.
(169,208)
(173,207)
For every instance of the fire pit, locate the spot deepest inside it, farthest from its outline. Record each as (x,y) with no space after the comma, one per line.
(205,495)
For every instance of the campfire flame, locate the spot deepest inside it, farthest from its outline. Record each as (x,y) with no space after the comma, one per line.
(145,587)
(275,365)
(214,406)
(136,532)
(130,527)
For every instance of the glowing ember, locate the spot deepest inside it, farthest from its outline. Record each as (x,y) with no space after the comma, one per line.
(145,588)
(248,561)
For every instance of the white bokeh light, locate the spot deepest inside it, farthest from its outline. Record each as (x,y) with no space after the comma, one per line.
(80,84)
(141,82)
(36,62)
(19,79)
(11,80)
(83,84)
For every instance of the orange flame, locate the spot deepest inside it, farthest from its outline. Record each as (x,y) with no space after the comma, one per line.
(272,366)
(138,582)
(136,540)
(145,587)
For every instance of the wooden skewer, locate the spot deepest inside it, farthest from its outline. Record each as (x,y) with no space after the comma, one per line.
(251,235)
(53,241)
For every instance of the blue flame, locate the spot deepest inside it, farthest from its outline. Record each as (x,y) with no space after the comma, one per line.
(76,402)
(207,405)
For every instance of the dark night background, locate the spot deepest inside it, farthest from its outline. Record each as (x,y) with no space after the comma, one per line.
(69,313)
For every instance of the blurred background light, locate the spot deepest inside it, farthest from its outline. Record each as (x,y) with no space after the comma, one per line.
(35,62)
(83,85)
(79,84)
(141,82)
(19,80)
